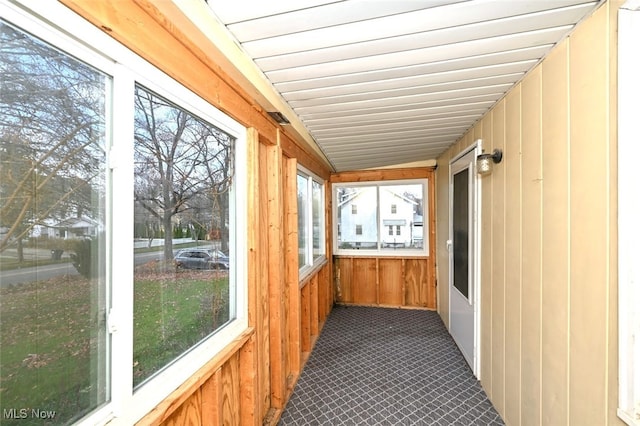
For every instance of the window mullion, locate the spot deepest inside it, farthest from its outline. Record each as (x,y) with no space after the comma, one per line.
(309,212)
(121,316)
(378,218)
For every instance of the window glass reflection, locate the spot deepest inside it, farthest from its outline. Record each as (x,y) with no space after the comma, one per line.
(53,340)
(183,173)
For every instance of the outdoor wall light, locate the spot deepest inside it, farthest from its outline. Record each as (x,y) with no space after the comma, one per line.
(484,162)
(279,117)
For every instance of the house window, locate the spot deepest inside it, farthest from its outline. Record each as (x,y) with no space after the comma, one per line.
(141,223)
(53,185)
(303,221)
(354,209)
(390,217)
(182,180)
(317,218)
(311,241)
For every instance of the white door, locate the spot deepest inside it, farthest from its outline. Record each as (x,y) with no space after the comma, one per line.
(462,254)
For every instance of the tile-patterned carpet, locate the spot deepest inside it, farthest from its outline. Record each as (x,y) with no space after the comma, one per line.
(377,366)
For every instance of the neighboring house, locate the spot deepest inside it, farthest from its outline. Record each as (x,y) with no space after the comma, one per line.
(75,227)
(357,221)
(417,231)
(359,226)
(396,214)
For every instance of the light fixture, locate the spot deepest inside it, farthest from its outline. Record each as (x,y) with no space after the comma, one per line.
(279,117)
(484,162)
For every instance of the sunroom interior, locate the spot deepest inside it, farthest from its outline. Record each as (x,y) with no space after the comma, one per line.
(459,157)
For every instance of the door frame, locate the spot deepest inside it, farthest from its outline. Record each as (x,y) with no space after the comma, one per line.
(628,210)
(475,235)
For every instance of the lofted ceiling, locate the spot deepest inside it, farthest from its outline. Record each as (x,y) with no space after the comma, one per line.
(384,82)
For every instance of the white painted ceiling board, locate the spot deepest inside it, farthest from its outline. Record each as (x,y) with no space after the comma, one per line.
(230,12)
(527,54)
(419,56)
(409,91)
(419,40)
(440,98)
(382,82)
(456,123)
(417,80)
(408,111)
(338,13)
(455,15)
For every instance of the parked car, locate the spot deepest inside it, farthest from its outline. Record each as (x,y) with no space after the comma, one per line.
(199,258)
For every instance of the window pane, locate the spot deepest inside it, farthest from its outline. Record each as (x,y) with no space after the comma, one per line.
(318,238)
(401,207)
(183,170)
(53,338)
(358,226)
(303,197)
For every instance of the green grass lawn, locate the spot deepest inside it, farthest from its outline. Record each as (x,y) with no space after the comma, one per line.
(51,348)
(172,312)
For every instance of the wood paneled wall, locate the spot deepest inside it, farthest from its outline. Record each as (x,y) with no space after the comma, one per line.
(385,282)
(548,337)
(250,381)
(407,282)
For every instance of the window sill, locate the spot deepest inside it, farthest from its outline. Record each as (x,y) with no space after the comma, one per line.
(173,401)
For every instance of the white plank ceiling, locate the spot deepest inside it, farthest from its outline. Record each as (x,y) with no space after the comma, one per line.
(384,82)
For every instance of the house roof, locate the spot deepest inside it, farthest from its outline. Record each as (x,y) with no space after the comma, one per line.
(75,222)
(377,83)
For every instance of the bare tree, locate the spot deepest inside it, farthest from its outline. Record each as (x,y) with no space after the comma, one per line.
(181,162)
(52,115)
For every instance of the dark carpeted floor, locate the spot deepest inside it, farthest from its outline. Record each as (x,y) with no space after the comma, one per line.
(376,366)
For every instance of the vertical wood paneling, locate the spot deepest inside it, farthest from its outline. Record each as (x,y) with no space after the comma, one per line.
(322,294)
(248,359)
(263,288)
(498,266)
(512,168)
(589,219)
(387,281)
(364,288)
(277,315)
(255,261)
(531,246)
(486,258)
(391,281)
(416,277)
(547,227)
(230,377)
(555,251)
(212,400)
(313,306)
(292,302)
(344,279)
(189,412)
(305,319)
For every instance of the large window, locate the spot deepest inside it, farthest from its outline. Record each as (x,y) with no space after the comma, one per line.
(120,273)
(53,189)
(389,219)
(311,240)
(182,177)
